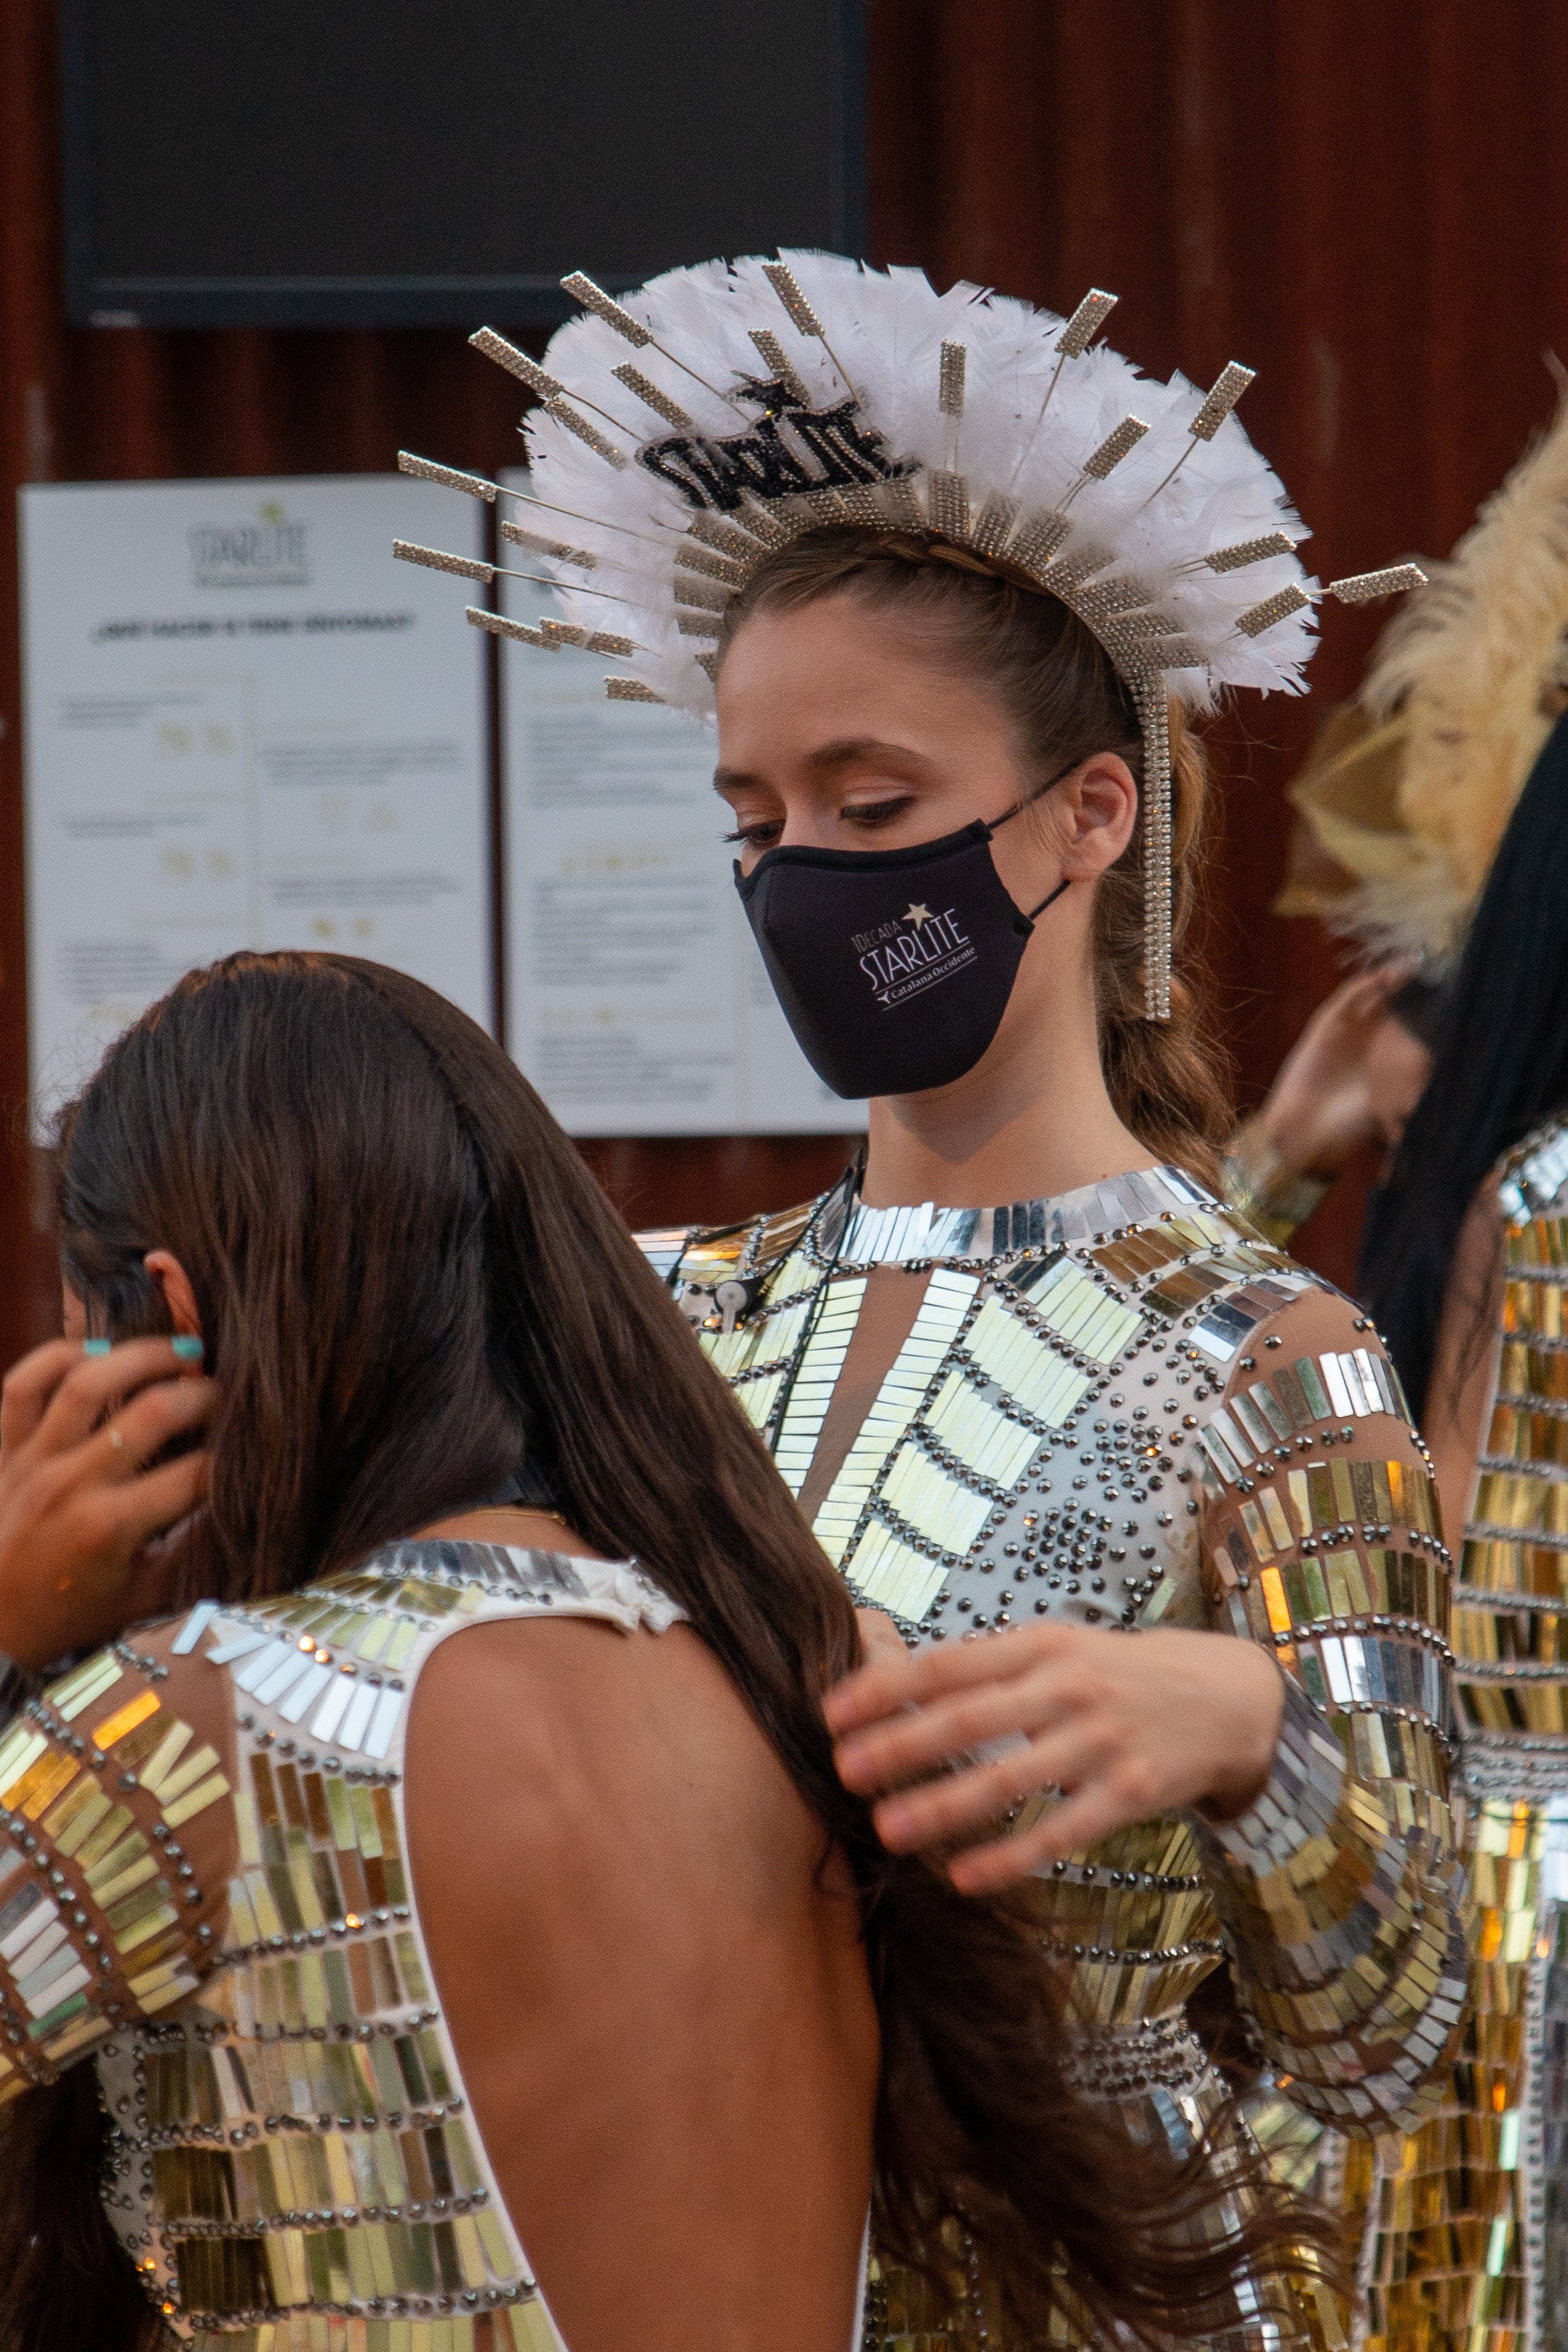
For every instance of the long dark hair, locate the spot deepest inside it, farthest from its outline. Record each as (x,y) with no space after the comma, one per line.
(1501,1070)
(409,1284)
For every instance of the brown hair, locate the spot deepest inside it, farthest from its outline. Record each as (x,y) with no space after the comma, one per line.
(410,1285)
(1058,687)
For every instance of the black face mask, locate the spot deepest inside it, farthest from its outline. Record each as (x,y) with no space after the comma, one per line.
(893,966)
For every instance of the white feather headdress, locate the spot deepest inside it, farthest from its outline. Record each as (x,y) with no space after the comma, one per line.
(724,410)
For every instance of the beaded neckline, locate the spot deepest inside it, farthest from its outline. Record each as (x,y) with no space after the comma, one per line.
(916,1235)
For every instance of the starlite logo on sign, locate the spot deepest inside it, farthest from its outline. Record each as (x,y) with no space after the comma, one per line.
(268,552)
(904,958)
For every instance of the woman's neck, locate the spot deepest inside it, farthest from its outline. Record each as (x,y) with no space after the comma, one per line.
(1031,1119)
(520,1529)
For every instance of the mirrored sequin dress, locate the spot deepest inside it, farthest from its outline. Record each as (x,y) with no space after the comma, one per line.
(234,1944)
(1117,1408)
(1469,2244)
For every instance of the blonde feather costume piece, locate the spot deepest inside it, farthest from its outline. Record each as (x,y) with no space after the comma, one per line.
(1411,789)
(718,412)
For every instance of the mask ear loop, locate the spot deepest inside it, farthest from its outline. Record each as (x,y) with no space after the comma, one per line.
(1051,895)
(1048,900)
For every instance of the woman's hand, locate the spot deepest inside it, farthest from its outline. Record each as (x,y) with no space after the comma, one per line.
(1125,1727)
(880,1637)
(1324,1104)
(78,1511)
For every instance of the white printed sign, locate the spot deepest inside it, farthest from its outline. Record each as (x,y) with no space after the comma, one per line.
(247,726)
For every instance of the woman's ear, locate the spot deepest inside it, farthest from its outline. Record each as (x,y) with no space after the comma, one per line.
(1099,807)
(174,1283)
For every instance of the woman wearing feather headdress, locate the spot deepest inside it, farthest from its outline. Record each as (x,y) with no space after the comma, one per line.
(951,575)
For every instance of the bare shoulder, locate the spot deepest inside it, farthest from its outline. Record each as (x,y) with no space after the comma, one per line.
(1464,1355)
(1500,1206)
(538,1740)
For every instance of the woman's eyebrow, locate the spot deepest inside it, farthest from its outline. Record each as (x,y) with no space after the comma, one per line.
(843,753)
(850,748)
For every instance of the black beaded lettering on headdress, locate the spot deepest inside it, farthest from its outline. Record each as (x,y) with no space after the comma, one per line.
(716,475)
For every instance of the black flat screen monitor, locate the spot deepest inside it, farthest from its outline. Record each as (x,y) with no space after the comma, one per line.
(419,163)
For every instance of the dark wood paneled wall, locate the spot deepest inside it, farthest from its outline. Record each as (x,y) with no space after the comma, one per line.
(1363,199)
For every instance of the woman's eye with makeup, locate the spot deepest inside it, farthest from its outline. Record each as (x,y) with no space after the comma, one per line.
(872,813)
(757,836)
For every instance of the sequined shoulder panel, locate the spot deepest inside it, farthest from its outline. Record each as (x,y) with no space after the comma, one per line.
(102,1919)
(1322,1543)
(663,1247)
(720,1271)
(292,2158)
(1533,1179)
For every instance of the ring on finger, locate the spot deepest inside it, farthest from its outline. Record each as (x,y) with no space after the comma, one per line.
(117,1439)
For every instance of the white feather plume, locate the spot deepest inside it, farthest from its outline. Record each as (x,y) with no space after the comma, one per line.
(1411,791)
(886,328)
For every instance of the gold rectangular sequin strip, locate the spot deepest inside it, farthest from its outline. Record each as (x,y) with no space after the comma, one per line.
(1338,1856)
(942,1312)
(231,2271)
(814,1383)
(1297,1397)
(120,1866)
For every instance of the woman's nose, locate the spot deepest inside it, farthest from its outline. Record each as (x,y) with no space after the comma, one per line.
(809,828)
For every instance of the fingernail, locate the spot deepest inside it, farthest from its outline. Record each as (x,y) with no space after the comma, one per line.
(189,1349)
(96,1347)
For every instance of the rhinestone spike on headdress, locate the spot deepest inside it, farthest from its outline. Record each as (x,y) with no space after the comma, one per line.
(767,398)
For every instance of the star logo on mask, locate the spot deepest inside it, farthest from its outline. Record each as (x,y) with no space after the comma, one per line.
(917,916)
